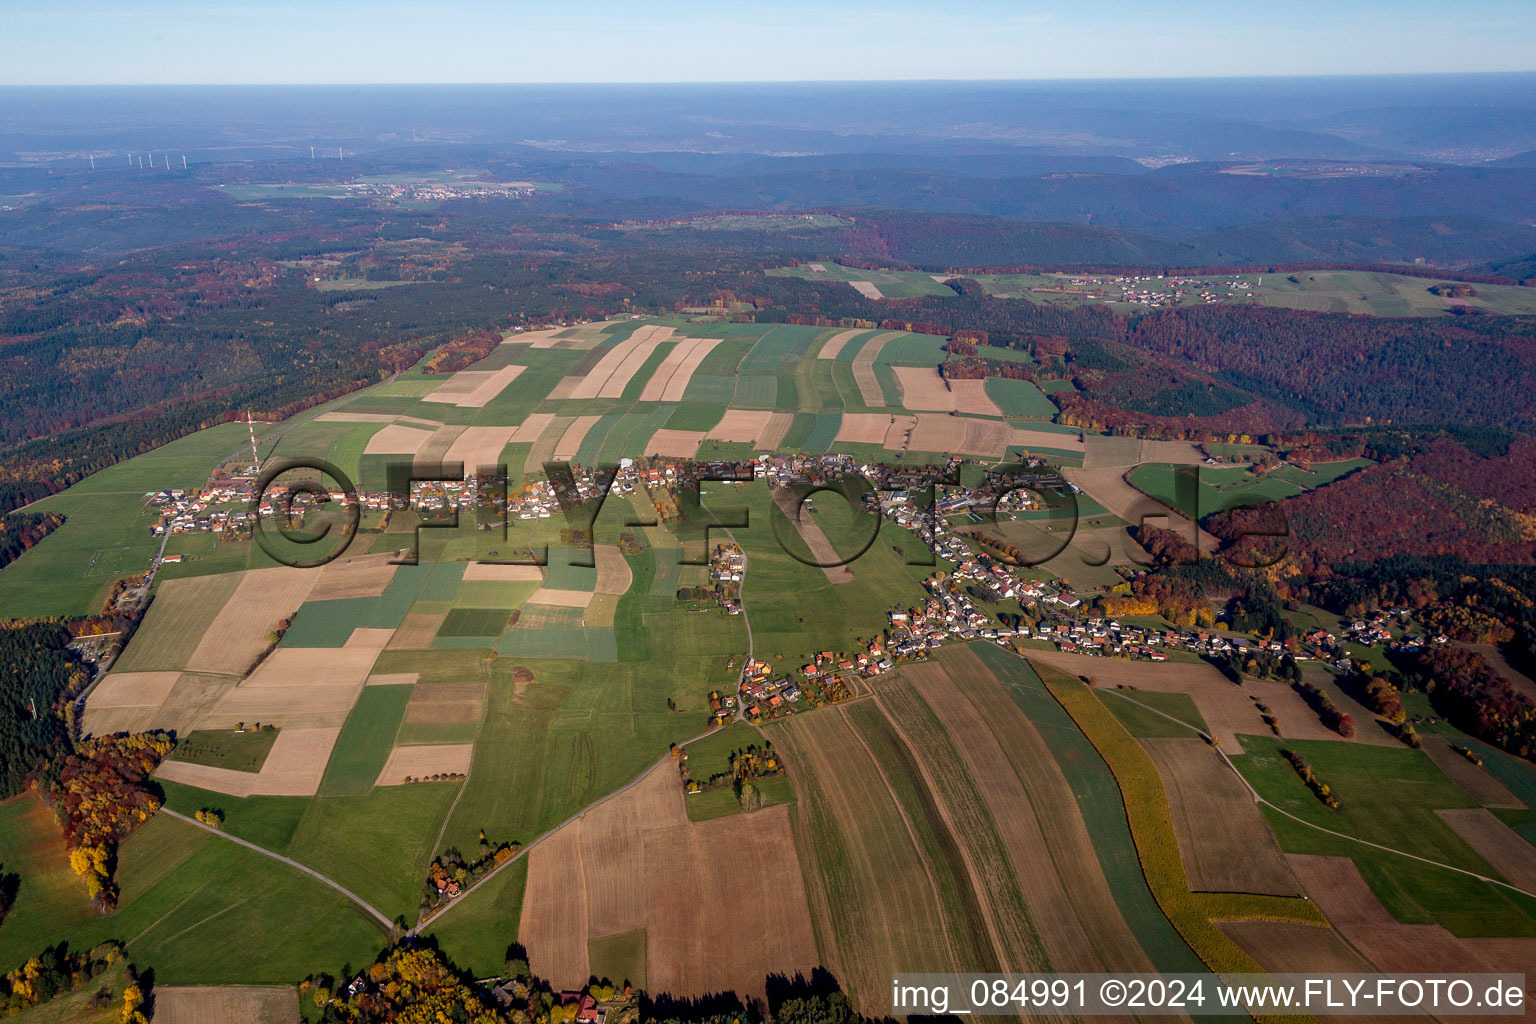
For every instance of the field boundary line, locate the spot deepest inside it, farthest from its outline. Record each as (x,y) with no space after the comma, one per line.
(363,904)
(1327,831)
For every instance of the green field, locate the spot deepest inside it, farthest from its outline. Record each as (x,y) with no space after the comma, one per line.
(237,751)
(1225,487)
(474,622)
(365,741)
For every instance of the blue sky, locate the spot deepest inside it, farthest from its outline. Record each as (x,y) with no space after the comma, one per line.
(325,41)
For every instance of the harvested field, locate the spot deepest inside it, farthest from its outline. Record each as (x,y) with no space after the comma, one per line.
(773,434)
(529,430)
(422,761)
(1037,821)
(445,703)
(1224,842)
(873,884)
(923,390)
(416,631)
(611,375)
(570,441)
(863,427)
(561,598)
(1509,853)
(898,436)
(488,572)
(397,439)
(1284,947)
(226,1004)
(671,378)
(1101,452)
(1181,453)
(436,448)
(810,531)
(179,615)
(870,391)
(740,425)
(543,449)
(240,632)
(375,417)
(615,870)
(1473,780)
(480,446)
(472,389)
(294,767)
(613,575)
(866,289)
(1228,709)
(935,433)
(393,679)
(190,695)
(1334,884)
(835,344)
(303,687)
(355,576)
(680,444)
(134,689)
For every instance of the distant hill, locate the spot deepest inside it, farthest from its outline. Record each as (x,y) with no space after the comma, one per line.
(1454,241)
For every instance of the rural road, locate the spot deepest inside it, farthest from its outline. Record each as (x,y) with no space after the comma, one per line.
(1328,831)
(362,904)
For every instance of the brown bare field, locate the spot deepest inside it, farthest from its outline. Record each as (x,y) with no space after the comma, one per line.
(986,437)
(1228,709)
(226,1004)
(923,390)
(479,446)
(1180,453)
(834,345)
(740,425)
(420,761)
(564,388)
(397,439)
(882,911)
(1285,947)
(1102,452)
(613,575)
(671,377)
(302,687)
(1497,843)
(1027,438)
(357,576)
(570,441)
(1335,885)
(934,433)
(1224,842)
(472,389)
(294,767)
(1474,781)
(134,689)
(416,631)
(239,633)
(740,915)
(533,337)
(868,289)
(864,369)
(680,444)
(810,532)
(561,598)
(1037,820)
(530,429)
(543,449)
(863,427)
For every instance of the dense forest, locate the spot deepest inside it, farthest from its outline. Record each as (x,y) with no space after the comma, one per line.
(37,671)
